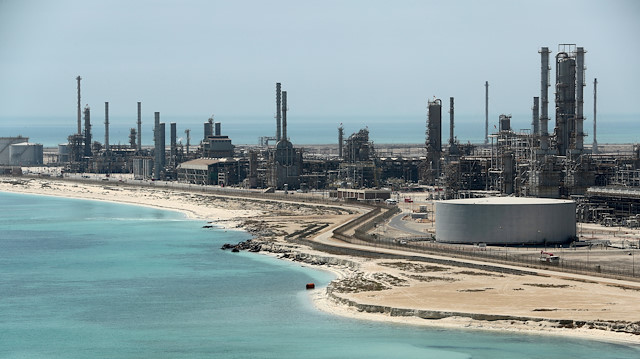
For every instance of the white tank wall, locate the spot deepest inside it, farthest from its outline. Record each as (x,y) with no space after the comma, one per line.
(505,220)
(25,154)
(5,148)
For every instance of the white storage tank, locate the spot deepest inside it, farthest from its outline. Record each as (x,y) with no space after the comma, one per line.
(25,154)
(505,220)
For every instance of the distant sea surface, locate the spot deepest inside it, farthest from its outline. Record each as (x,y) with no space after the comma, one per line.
(303,130)
(85,279)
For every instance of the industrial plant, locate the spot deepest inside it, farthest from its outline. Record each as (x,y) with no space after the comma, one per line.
(539,162)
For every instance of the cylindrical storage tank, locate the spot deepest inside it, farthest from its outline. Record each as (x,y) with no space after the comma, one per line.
(26,154)
(505,220)
(63,152)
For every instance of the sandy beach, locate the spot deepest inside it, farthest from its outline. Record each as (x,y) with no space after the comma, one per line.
(455,294)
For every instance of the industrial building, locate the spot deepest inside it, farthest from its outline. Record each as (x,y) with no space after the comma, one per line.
(18,151)
(535,162)
(505,220)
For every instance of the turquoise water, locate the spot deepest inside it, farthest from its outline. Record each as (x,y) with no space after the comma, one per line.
(305,130)
(85,279)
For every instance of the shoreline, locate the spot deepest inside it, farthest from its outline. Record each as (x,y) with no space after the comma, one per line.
(233,214)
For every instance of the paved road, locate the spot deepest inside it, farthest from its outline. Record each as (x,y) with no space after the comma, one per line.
(327,238)
(396,222)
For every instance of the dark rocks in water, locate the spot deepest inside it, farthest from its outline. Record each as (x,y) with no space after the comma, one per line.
(247,245)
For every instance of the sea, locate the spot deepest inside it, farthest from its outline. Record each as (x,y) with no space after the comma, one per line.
(303,130)
(89,279)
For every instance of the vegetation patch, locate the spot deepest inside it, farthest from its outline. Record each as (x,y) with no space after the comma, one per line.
(474,290)
(468,272)
(428,278)
(415,267)
(391,280)
(623,287)
(358,284)
(543,285)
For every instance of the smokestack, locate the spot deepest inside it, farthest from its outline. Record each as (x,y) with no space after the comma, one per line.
(188,133)
(544,97)
(174,146)
(157,162)
(579,130)
(218,131)
(594,148)
(536,116)
(106,126)
(139,126)
(486,112)
(87,131)
(278,115)
(79,109)
(163,145)
(451,136)
(284,115)
(340,140)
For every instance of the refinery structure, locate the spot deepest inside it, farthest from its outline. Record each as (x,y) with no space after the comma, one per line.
(548,160)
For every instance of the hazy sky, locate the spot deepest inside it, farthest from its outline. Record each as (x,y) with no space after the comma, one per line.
(335,58)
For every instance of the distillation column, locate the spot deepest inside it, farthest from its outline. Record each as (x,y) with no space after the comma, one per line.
(544,98)
(284,115)
(580,83)
(87,131)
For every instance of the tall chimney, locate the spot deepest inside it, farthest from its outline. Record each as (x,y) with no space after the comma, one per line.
(340,140)
(278,115)
(79,108)
(106,126)
(544,97)
(174,146)
(451,135)
(486,112)
(594,148)
(284,115)
(87,131)
(139,126)
(157,161)
(579,130)
(535,122)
